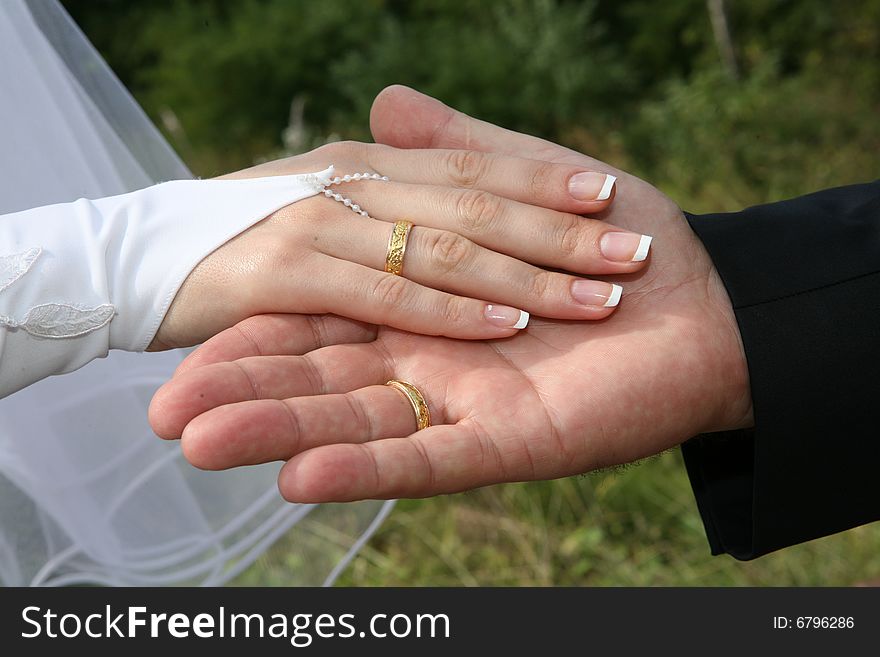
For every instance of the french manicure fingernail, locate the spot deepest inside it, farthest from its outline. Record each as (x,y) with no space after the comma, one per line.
(507,317)
(596,293)
(591,186)
(625,247)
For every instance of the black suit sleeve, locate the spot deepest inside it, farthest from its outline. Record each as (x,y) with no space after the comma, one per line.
(804,279)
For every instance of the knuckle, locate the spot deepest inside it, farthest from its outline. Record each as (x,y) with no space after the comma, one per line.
(541,179)
(541,284)
(466,168)
(454,311)
(477,210)
(449,252)
(571,237)
(390,290)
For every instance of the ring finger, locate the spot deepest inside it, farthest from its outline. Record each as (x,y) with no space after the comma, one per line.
(447,261)
(253,432)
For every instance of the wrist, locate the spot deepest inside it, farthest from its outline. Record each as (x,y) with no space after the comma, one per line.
(734,409)
(177,291)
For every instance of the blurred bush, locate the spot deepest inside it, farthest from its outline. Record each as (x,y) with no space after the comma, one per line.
(638,82)
(719,144)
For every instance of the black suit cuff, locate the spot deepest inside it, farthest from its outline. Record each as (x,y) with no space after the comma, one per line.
(804,279)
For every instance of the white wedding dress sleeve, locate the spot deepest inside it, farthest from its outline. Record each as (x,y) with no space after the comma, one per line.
(78,279)
(88,494)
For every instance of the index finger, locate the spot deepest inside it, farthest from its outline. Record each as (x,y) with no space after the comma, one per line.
(565,187)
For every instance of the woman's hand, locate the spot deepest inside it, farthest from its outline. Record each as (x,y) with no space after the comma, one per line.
(480,219)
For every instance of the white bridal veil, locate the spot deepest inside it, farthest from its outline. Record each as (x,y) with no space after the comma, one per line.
(88,495)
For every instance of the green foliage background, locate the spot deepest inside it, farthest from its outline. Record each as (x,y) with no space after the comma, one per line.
(639,83)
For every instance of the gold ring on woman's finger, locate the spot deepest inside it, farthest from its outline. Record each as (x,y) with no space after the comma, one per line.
(397,247)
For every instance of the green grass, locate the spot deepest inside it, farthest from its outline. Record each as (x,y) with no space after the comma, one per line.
(636,526)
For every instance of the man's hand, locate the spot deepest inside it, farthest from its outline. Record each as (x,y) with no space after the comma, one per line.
(557,399)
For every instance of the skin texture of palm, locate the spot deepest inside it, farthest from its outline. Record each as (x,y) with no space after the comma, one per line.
(560,398)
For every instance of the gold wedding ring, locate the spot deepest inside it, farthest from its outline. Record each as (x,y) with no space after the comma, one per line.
(423,415)
(397,247)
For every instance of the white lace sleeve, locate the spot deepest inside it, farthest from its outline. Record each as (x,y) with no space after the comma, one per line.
(78,279)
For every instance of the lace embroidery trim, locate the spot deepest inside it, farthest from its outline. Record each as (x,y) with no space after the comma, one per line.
(13,267)
(50,320)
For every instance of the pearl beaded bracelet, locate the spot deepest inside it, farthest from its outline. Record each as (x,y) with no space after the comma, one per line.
(347,202)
